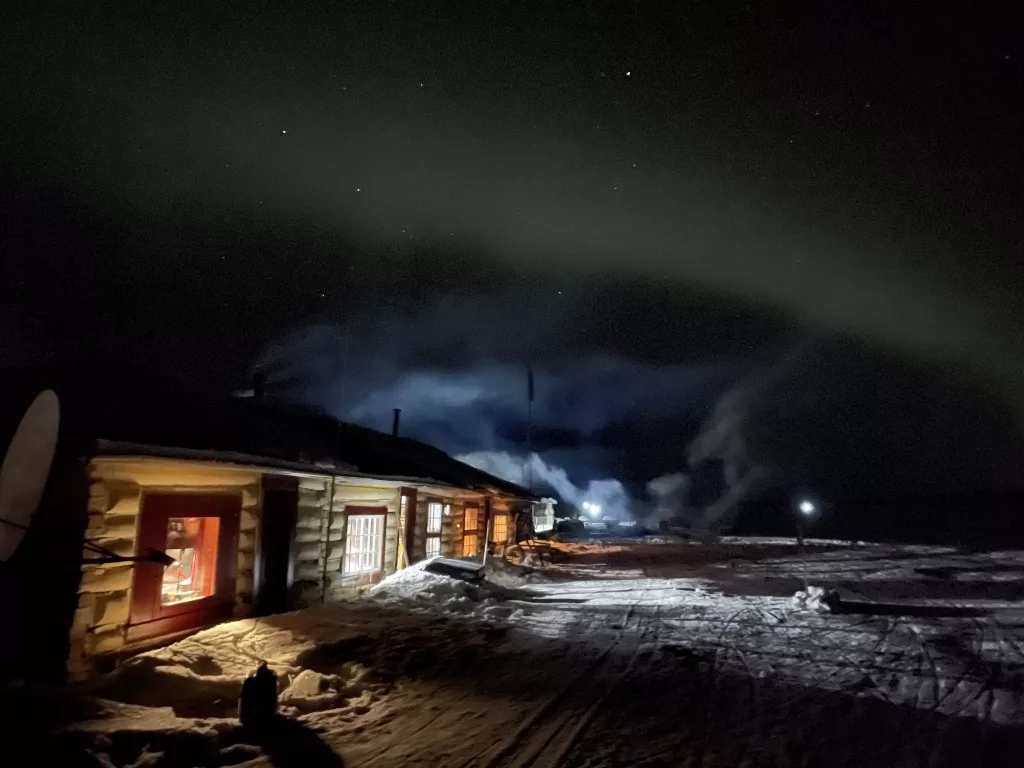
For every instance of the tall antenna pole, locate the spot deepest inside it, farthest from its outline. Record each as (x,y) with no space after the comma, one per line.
(529,427)
(344,370)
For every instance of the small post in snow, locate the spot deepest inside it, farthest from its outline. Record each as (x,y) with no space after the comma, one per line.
(487,537)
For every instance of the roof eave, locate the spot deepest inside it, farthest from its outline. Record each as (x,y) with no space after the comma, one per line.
(126,450)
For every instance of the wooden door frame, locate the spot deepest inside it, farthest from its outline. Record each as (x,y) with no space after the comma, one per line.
(476,531)
(275,484)
(410,521)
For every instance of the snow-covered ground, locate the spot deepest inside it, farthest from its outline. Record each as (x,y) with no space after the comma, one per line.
(649,652)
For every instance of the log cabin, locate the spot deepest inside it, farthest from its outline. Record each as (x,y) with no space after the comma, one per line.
(259,508)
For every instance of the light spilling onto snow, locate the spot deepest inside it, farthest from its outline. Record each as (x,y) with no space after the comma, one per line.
(900,640)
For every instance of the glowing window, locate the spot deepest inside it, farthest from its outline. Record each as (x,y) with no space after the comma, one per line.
(434,546)
(499,529)
(470,544)
(364,544)
(434,512)
(192,542)
(472,516)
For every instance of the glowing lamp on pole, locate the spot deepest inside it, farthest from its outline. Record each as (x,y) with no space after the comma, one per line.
(806,509)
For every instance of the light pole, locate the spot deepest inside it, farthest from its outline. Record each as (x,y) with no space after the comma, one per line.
(805,510)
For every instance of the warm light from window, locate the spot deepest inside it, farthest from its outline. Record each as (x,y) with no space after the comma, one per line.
(470,544)
(472,516)
(499,529)
(192,542)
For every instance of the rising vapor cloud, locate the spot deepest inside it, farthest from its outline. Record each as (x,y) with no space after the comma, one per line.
(533,471)
(463,387)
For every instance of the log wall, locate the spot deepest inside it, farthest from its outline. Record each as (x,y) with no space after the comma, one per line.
(311,529)
(116,491)
(339,585)
(116,487)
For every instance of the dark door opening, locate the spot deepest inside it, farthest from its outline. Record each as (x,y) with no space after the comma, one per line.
(274,574)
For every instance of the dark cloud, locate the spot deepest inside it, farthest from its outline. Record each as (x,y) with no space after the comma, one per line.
(812,421)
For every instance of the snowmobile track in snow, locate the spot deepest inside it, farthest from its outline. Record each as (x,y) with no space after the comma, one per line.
(564,717)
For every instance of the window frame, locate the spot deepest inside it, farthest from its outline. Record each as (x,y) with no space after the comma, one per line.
(470,532)
(148,617)
(427,546)
(440,517)
(506,519)
(351,512)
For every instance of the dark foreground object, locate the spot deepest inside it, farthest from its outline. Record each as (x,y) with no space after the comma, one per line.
(258,703)
(291,744)
(457,569)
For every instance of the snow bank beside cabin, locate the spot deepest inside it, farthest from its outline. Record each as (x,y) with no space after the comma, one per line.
(416,588)
(201,675)
(510,576)
(416,582)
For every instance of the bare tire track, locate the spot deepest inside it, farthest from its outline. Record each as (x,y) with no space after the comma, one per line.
(521,748)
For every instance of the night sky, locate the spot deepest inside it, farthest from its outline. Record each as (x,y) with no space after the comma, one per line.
(783,244)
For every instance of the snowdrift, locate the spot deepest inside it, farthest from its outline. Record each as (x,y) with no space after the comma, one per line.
(814,599)
(419,585)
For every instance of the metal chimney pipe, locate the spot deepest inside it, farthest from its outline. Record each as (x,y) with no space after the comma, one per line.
(394,424)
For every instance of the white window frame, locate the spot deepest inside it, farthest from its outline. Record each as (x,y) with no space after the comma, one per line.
(435,516)
(364,545)
(435,512)
(433,543)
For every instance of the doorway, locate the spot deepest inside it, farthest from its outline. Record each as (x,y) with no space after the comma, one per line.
(275,565)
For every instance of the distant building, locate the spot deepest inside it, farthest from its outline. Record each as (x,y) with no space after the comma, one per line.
(544,515)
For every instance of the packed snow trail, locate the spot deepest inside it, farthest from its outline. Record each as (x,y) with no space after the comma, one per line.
(662,654)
